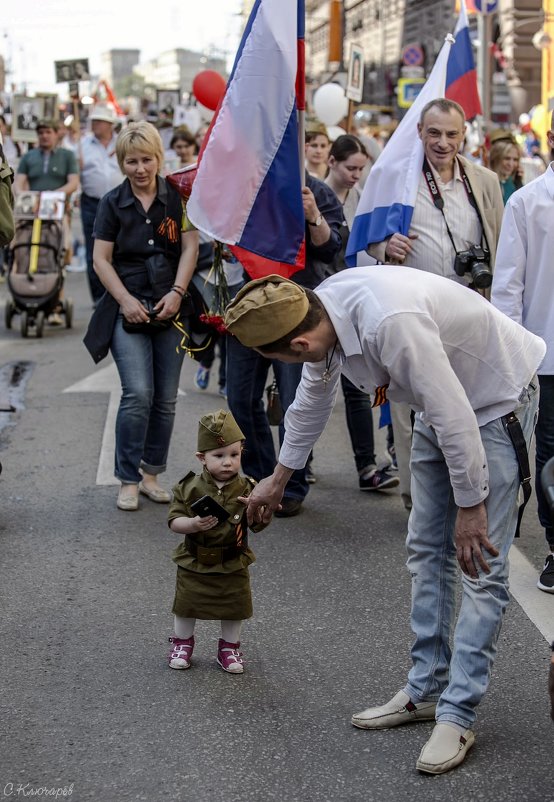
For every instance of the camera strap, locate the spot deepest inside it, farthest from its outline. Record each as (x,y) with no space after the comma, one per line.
(439,202)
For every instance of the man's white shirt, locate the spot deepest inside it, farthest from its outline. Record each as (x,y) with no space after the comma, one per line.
(433,251)
(523,281)
(100,171)
(436,345)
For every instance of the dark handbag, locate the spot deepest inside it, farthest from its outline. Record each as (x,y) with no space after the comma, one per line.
(154,326)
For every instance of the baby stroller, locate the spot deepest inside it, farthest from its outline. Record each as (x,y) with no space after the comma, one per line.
(35,265)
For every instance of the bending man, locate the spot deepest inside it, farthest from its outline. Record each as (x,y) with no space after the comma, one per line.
(466,369)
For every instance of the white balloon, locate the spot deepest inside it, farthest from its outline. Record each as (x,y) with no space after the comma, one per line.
(334,131)
(524,119)
(330,104)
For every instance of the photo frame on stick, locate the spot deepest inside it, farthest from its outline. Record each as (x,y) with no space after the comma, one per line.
(167,101)
(355,84)
(26,112)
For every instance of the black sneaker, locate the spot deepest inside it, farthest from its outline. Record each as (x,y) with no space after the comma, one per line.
(546,579)
(378,480)
(310,475)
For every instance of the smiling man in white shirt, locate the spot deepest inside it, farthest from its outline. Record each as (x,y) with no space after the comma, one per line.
(523,286)
(467,370)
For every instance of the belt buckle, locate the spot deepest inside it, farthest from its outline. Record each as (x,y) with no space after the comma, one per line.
(208,556)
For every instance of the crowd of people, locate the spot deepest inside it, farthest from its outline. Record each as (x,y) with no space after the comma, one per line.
(450,349)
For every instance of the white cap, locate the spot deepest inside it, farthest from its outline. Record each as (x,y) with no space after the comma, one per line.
(103,114)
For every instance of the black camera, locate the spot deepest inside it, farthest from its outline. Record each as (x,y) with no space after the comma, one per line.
(475,261)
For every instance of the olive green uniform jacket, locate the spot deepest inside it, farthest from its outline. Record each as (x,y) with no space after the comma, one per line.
(220,591)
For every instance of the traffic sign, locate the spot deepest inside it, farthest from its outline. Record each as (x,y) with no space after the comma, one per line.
(412,55)
(486,6)
(408,89)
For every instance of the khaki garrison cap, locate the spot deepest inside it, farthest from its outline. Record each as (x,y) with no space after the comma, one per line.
(266,310)
(218,429)
(501,135)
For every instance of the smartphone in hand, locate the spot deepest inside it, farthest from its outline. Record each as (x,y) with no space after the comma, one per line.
(208,506)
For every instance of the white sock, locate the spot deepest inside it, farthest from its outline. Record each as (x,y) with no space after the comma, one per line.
(184,627)
(230,631)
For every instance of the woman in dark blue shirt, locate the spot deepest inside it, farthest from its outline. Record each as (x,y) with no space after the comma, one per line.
(144,255)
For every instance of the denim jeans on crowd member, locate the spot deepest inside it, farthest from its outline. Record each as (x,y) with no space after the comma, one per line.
(88,213)
(544,441)
(247,378)
(149,368)
(458,678)
(359,420)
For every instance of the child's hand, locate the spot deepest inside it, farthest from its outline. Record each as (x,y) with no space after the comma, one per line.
(203,524)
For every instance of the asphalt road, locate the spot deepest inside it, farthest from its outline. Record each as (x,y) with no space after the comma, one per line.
(88,704)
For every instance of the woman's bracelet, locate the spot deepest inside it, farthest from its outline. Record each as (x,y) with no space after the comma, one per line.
(179,290)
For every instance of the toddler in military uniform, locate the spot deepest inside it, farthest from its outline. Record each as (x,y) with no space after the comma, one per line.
(213,580)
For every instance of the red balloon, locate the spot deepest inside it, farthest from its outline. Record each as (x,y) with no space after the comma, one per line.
(208,87)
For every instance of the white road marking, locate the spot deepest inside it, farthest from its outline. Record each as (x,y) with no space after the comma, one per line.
(537,605)
(105,380)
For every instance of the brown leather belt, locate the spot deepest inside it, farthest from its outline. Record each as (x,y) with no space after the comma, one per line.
(212,555)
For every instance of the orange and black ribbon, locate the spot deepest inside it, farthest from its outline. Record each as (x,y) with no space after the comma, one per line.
(380,396)
(168,228)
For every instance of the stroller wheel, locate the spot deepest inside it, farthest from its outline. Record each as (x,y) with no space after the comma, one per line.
(9,312)
(39,323)
(24,324)
(68,312)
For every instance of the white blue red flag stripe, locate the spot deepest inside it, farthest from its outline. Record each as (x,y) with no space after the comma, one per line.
(387,202)
(248,191)
(461,78)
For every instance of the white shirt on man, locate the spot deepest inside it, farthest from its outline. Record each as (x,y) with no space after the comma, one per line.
(523,280)
(433,250)
(100,171)
(435,345)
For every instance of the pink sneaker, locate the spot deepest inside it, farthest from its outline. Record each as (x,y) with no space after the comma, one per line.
(229,657)
(181,653)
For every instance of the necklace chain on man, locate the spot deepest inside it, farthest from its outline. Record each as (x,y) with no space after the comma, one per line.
(328,359)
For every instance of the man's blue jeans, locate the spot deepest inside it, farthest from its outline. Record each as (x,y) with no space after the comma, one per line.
(544,441)
(149,368)
(458,678)
(247,378)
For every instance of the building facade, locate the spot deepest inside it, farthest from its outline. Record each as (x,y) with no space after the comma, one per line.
(176,69)
(387,29)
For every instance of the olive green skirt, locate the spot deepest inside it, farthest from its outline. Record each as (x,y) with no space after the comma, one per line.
(220,597)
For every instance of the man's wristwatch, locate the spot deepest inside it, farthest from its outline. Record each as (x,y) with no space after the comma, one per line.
(318,221)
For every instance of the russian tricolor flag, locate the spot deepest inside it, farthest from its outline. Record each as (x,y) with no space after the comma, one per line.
(248,188)
(461,78)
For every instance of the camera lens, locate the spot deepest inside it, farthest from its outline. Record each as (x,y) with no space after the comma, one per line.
(481,275)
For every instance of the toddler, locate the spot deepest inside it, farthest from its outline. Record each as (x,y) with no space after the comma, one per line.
(213,580)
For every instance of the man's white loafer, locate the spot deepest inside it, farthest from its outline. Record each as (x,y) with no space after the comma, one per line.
(445,749)
(400,710)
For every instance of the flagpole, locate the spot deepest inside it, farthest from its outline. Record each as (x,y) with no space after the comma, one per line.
(301,90)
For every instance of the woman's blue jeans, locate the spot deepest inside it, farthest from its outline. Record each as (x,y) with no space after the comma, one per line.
(149,368)
(458,677)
